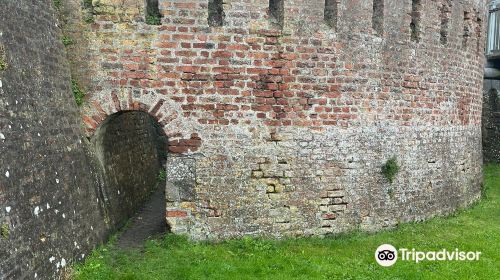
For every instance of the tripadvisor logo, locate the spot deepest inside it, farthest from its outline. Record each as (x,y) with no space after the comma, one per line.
(387,255)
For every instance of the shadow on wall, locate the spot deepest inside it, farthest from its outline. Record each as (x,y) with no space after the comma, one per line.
(131,149)
(491,121)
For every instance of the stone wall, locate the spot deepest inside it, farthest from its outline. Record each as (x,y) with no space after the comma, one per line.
(279,121)
(50,212)
(491,121)
(58,197)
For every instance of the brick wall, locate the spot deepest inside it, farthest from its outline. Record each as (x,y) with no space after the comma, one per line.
(281,126)
(276,126)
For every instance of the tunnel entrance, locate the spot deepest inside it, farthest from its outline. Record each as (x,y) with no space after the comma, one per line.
(131,148)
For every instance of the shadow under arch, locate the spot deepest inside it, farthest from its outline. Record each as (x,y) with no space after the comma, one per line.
(131,148)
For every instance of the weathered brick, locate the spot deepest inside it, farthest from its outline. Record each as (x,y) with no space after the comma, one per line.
(176,214)
(314,108)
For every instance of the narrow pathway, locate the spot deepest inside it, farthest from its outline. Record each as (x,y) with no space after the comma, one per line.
(148,222)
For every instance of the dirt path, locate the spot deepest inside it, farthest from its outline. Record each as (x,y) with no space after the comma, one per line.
(148,222)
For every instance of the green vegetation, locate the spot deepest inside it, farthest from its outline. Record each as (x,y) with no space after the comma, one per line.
(89,18)
(162,176)
(57,4)
(153,20)
(4,231)
(390,169)
(390,192)
(87,4)
(348,256)
(3,64)
(77,92)
(66,40)
(89,8)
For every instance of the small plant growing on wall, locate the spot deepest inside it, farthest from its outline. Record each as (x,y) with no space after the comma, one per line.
(57,4)
(77,92)
(390,169)
(162,176)
(390,192)
(66,40)
(153,15)
(153,20)
(4,231)
(3,63)
(88,7)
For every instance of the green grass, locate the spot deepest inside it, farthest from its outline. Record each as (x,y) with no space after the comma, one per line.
(344,257)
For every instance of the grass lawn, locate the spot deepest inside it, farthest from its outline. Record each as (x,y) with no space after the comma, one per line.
(344,257)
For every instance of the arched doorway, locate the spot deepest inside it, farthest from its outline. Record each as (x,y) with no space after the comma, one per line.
(131,148)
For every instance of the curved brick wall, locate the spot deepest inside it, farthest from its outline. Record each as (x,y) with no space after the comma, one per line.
(273,130)
(283,130)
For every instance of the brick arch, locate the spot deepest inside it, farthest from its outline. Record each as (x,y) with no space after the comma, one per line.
(182,132)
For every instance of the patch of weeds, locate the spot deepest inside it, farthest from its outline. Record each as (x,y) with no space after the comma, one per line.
(3,63)
(5,232)
(162,176)
(390,169)
(390,192)
(66,40)
(250,245)
(77,92)
(57,4)
(89,7)
(153,20)
(89,19)
(162,154)
(176,241)
(87,4)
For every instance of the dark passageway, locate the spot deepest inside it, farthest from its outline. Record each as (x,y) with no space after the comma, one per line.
(148,222)
(131,148)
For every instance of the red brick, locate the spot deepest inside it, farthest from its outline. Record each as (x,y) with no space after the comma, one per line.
(176,214)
